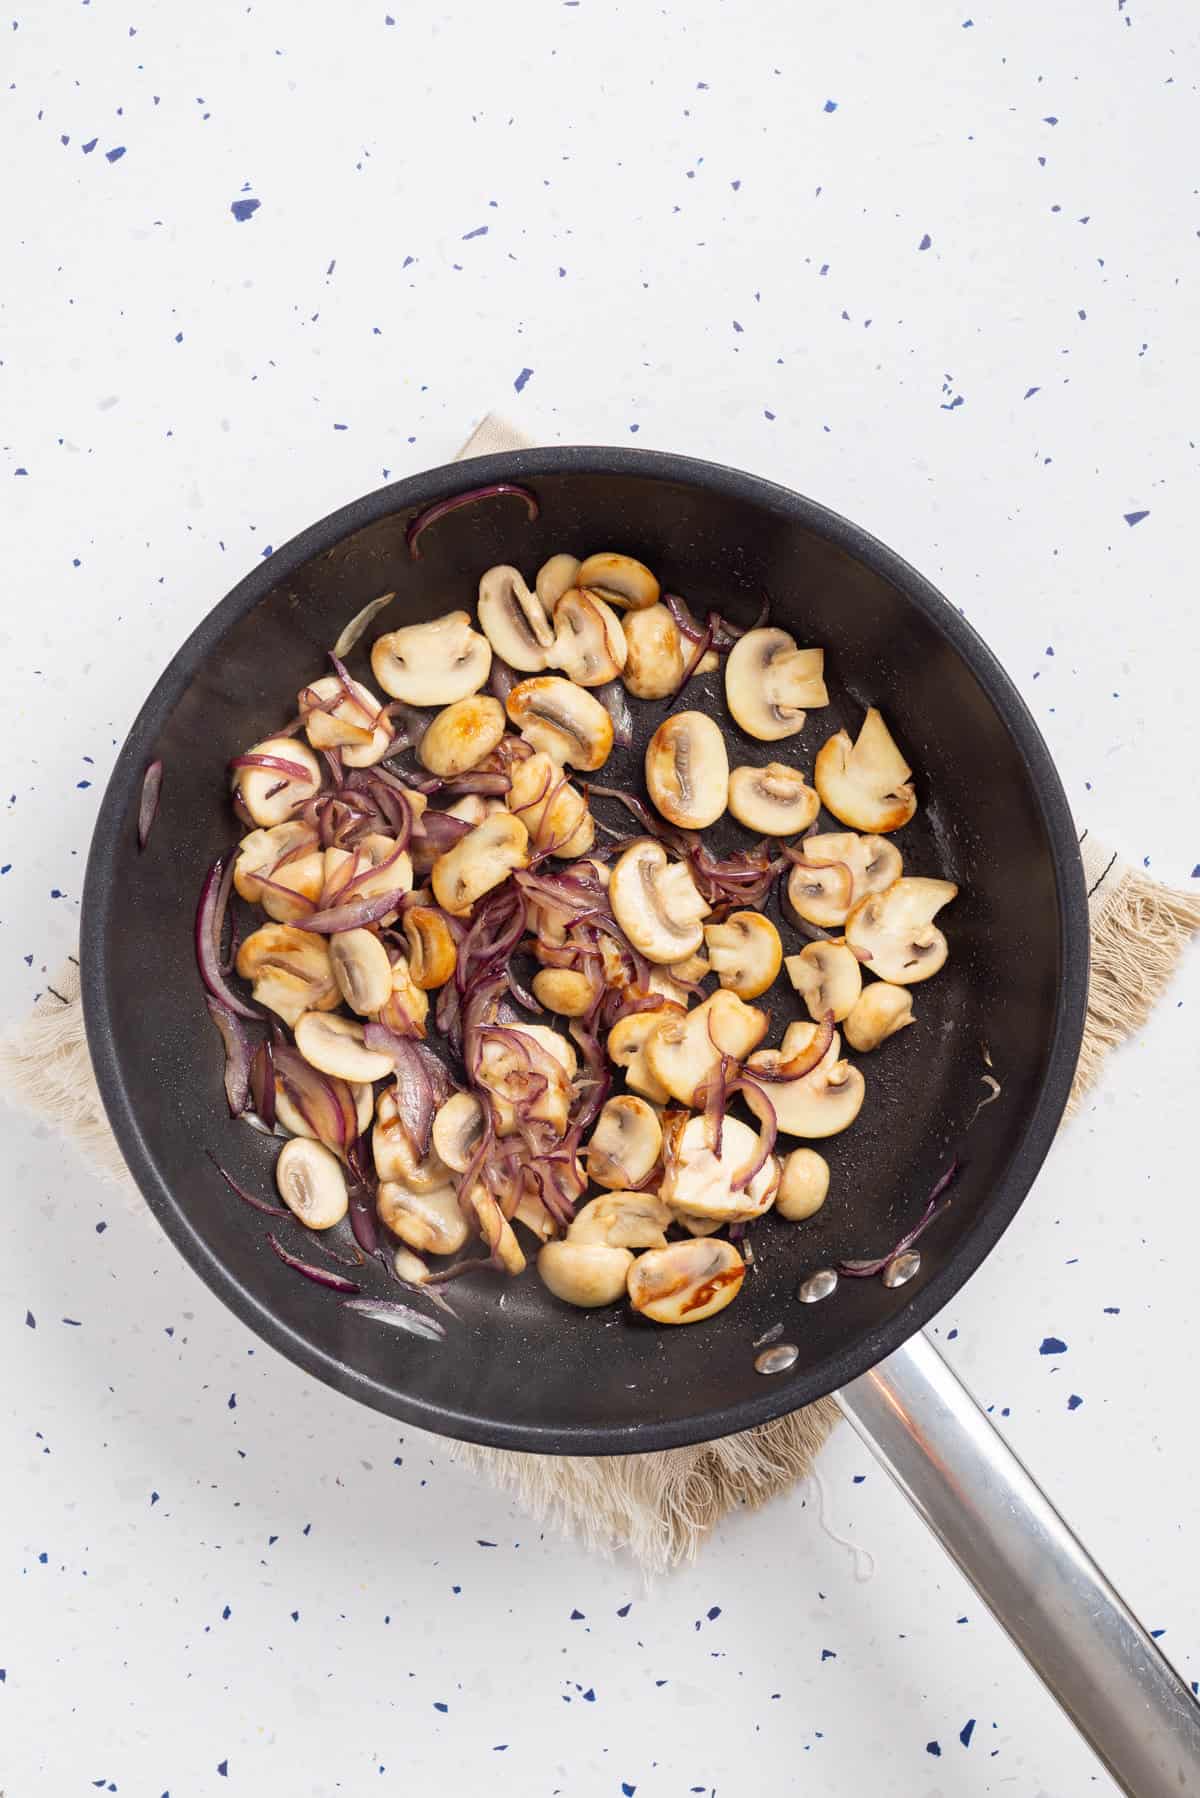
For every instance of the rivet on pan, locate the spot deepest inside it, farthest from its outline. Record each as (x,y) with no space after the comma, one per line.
(817,1286)
(777,1359)
(901,1268)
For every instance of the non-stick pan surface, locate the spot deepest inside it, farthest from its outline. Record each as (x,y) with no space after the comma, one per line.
(520,1370)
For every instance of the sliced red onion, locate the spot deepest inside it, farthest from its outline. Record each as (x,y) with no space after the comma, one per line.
(358,624)
(355,915)
(861,1270)
(442,507)
(613,698)
(262,1084)
(239,1053)
(797,1066)
(320,1276)
(698,654)
(249,1197)
(148,803)
(409,723)
(325,1103)
(502,679)
(767,1132)
(686,621)
(210,917)
(276,763)
(400,1316)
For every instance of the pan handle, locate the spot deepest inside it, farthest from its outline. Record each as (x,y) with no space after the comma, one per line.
(1038,1581)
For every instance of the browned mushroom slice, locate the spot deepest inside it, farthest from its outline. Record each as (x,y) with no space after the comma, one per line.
(769,683)
(775,801)
(685,1051)
(687,770)
(462,735)
(624,1145)
(289,970)
(434,663)
(865,783)
(620,580)
(561,718)
(514,620)
(687,1281)
(589,644)
(479,861)
(893,933)
(744,952)
(654,661)
(656,903)
(828,978)
(586,1274)
(882,1010)
(271,794)
(699,1182)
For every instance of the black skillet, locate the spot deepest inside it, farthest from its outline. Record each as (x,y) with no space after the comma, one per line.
(530,1374)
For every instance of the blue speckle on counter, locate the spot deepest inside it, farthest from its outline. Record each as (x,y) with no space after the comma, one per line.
(439,1706)
(1052,1345)
(89,146)
(1136,517)
(223,1769)
(1156,1633)
(114,155)
(830,106)
(1074,1402)
(925,242)
(522,380)
(627,1789)
(479,231)
(30,1321)
(934,1748)
(577,1617)
(714,1611)
(828,1654)
(480,1543)
(625,1610)
(244,209)
(966,1732)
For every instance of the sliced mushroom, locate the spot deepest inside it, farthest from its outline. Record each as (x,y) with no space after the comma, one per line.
(291,1120)
(803,1185)
(623,1220)
(654,660)
(434,663)
(819,895)
(349,720)
(554,812)
(376,851)
(527,1070)
(429,1221)
(893,933)
(457,1129)
(769,683)
(620,580)
(698,1226)
(692,969)
(828,978)
(776,800)
(865,784)
(687,770)
(362,970)
(531,1212)
(557,716)
(589,644)
(495,1229)
(334,1045)
(586,1274)
(839,869)
(555,577)
(395,1154)
(656,903)
(405,1010)
(624,1146)
(479,861)
(687,1281)
(461,736)
(514,620)
(287,856)
(289,970)
(700,1183)
(685,1052)
(882,1010)
(627,1049)
(409,1268)
(566,991)
(311,1183)
(271,795)
(745,952)
(821,1102)
(432,952)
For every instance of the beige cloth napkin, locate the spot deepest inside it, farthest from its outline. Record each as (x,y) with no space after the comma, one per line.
(660,1506)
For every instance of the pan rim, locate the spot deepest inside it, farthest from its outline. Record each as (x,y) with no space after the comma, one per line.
(1030,1150)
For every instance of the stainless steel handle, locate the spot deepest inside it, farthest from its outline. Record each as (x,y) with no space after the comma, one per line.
(1038,1581)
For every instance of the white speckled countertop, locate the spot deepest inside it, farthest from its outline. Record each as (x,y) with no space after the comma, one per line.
(935,267)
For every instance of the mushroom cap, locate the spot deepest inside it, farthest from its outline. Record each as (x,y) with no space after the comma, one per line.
(769,682)
(625,1144)
(462,735)
(803,1185)
(431,1222)
(700,1183)
(349,721)
(656,902)
(543,1066)
(457,1128)
(685,1051)
(744,952)
(479,861)
(623,1220)
(775,801)
(288,969)
(395,1153)
(841,867)
(269,795)
(568,723)
(882,1010)
(514,620)
(654,662)
(432,951)
(865,784)
(626,1049)
(555,576)
(406,1008)
(554,812)
(434,663)
(311,1183)
(589,644)
(687,1281)
(822,1102)
(586,1274)
(566,991)
(828,978)
(687,770)
(620,580)
(893,933)
(334,1045)
(362,970)
(261,857)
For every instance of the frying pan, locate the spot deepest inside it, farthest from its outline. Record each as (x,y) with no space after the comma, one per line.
(527,1373)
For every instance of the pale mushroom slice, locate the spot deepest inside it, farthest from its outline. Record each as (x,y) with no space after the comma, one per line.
(405,1009)
(334,1045)
(287,857)
(362,970)
(893,933)
(478,862)
(685,1051)
(587,1274)
(828,978)
(822,1102)
(555,577)
(687,1281)
(289,970)
(621,580)
(623,1220)
(840,867)
(295,1124)
(554,812)
(566,991)
(624,1145)
(434,663)
(819,895)
(345,715)
(865,783)
(514,620)
(654,660)
(627,1049)
(431,1222)
(775,801)
(656,903)
(687,770)
(495,1229)
(520,1060)
(589,644)
(393,872)
(769,683)
(882,1010)
(700,1183)
(803,1185)
(458,1130)
(562,719)
(311,1183)
(462,735)
(744,953)
(395,1153)
(432,951)
(271,794)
